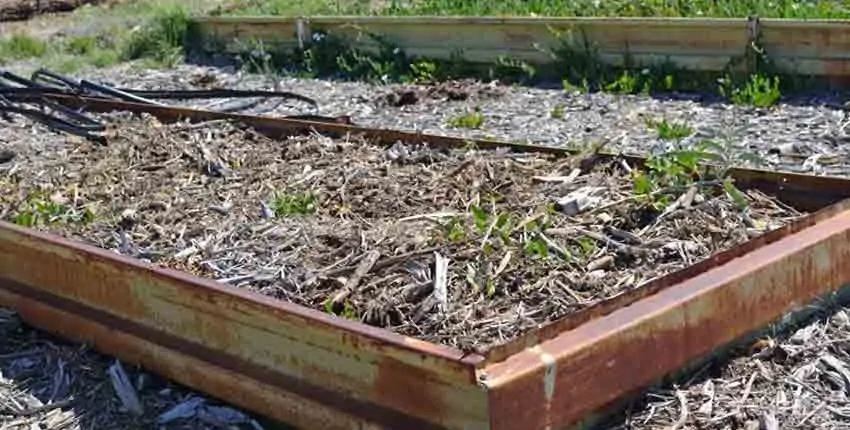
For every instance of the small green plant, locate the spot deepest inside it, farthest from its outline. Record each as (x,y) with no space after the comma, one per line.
(558,112)
(455,231)
(423,71)
(583,87)
(512,70)
(347,310)
(675,171)
(759,91)
(467,120)
(39,209)
(536,247)
(285,205)
(670,130)
(626,83)
(588,246)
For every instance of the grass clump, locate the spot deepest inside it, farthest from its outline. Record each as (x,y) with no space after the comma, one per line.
(20,47)
(759,91)
(467,120)
(670,130)
(161,39)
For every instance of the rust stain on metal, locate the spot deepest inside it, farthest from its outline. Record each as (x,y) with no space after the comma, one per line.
(612,355)
(36,264)
(396,379)
(345,381)
(605,307)
(227,383)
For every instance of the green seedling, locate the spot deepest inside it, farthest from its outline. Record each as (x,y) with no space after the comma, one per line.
(558,112)
(670,130)
(38,209)
(536,247)
(759,91)
(285,205)
(467,120)
(456,232)
(588,246)
(348,311)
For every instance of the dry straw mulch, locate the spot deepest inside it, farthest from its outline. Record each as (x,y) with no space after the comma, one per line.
(462,247)
(797,380)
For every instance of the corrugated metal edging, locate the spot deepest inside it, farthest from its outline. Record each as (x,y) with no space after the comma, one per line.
(557,383)
(290,362)
(806,47)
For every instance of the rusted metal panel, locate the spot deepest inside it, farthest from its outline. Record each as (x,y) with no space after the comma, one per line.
(353,369)
(235,387)
(557,382)
(807,47)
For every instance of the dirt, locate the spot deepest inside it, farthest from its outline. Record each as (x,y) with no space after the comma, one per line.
(461,247)
(19,10)
(459,90)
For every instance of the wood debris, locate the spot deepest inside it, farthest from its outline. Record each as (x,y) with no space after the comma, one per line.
(340,225)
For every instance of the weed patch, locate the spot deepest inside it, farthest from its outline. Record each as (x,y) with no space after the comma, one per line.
(576,64)
(670,130)
(161,39)
(20,46)
(467,120)
(39,209)
(285,205)
(759,91)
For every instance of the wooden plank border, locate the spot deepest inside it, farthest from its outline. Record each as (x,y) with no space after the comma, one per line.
(819,48)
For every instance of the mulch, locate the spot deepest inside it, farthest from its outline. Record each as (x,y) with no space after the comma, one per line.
(462,247)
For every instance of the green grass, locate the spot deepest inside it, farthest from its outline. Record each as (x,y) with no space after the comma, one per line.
(467,120)
(161,39)
(21,46)
(632,8)
(158,34)
(670,130)
(154,32)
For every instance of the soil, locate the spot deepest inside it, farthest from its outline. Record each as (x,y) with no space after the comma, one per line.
(461,247)
(18,10)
